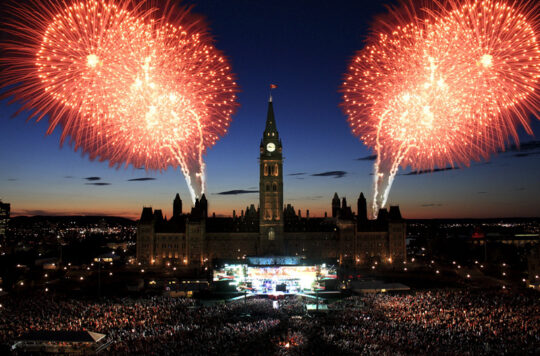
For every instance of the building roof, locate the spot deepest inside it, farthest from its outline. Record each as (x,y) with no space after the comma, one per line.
(394,213)
(147,215)
(271,121)
(177,224)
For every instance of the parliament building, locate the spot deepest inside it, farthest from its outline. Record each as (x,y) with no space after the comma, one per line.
(195,239)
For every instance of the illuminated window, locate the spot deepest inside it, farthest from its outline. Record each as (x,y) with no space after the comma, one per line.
(271,234)
(276,171)
(265,169)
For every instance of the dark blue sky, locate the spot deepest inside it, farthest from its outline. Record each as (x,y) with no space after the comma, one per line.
(303,47)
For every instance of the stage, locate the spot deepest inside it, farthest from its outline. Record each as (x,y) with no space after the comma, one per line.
(264,276)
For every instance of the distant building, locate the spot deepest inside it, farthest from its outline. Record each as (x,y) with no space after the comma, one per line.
(4,217)
(272,229)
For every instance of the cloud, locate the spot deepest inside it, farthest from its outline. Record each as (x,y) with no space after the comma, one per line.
(12,179)
(414,173)
(430,205)
(367,158)
(520,189)
(140,179)
(237,191)
(481,192)
(92,178)
(101,183)
(335,174)
(68,177)
(297,174)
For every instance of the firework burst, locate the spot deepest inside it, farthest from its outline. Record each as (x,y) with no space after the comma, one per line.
(126,82)
(444,84)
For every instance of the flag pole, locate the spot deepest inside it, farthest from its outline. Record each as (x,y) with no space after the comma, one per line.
(272,86)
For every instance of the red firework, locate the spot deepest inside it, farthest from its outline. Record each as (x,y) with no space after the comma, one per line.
(444,85)
(126,82)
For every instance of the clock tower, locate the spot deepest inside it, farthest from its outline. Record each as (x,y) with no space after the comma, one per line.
(271,189)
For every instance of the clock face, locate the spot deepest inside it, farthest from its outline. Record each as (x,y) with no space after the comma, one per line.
(270,147)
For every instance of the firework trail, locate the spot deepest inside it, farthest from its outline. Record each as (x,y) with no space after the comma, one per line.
(443,84)
(126,81)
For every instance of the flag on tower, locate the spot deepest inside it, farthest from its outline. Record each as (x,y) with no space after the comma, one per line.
(273,86)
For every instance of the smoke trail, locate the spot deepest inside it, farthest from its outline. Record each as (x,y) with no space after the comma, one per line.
(385,172)
(386,166)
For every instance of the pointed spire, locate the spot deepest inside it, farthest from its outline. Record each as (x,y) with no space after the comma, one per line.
(177,206)
(336,205)
(271,128)
(204,206)
(362,208)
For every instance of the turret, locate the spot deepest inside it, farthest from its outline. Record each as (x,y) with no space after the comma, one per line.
(177,206)
(394,213)
(147,216)
(336,205)
(204,206)
(362,208)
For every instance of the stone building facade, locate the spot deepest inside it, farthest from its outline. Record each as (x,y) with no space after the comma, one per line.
(195,239)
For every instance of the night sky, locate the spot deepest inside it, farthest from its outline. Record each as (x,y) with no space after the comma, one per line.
(303,47)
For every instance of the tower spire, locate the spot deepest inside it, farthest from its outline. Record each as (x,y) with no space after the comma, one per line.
(271,128)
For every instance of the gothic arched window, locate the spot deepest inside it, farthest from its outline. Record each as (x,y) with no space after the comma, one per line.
(265,169)
(276,171)
(271,234)
(274,187)
(267,187)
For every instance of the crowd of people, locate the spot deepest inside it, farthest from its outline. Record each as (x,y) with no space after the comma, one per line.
(463,322)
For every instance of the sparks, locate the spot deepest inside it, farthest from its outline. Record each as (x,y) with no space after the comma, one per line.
(442,86)
(92,60)
(486,60)
(126,84)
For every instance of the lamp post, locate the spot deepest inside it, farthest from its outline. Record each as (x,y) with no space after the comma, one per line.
(317,287)
(99,277)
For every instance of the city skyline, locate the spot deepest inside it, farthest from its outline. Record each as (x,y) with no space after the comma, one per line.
(306,59)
